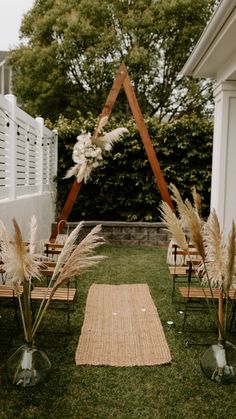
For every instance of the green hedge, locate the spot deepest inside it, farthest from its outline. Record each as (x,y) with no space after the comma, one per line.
(123,187)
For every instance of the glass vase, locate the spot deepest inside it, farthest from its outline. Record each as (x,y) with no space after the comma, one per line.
(28,366)
(219,363)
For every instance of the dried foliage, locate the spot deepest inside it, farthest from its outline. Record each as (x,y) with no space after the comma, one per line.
(19,264)
(22,267)
(174,225)
(80,259)
(217,266)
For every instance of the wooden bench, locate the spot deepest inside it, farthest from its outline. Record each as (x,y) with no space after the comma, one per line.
(64,297)
(179,270)
(202,293)
(7,292)
(195,297)
(39,293)
(182,275)
(61,295)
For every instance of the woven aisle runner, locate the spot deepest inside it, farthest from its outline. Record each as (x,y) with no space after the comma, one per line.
(121,328)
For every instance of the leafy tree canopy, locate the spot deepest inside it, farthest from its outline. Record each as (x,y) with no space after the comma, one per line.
(73,49)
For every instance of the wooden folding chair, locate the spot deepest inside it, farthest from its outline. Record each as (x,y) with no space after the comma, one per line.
(181,262)
(64,297)
(9,308)
(52,250)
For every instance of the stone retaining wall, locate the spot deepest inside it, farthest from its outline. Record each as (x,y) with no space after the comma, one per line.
(131,233)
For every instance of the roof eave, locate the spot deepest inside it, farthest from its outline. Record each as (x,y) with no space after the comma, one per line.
(192,66)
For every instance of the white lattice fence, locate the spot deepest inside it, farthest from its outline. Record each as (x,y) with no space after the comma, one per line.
(28,152)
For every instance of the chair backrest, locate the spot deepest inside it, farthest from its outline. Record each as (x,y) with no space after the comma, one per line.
(192,259)
(62,237)
(52,249)
(193,256)
(175,255)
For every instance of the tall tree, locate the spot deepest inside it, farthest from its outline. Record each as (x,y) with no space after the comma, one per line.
(73,49)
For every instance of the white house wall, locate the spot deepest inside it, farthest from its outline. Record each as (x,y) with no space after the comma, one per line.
(214,56)
(223,188)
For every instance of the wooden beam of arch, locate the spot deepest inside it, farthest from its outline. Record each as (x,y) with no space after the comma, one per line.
(134,106)
(122,79)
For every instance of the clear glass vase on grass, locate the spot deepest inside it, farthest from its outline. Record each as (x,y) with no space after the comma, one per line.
(28,366)
(219,363)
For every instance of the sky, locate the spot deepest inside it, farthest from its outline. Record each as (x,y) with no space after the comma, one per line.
(11,13)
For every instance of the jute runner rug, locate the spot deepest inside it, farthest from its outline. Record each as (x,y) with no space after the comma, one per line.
(121,328)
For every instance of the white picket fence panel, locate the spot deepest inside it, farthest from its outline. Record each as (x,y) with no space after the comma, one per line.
(28,152)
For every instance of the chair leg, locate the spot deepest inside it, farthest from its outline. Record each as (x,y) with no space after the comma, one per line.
(185,317)
(68,321)
(173,289)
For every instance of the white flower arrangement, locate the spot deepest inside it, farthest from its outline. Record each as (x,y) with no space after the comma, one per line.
(86,155)
(87,152)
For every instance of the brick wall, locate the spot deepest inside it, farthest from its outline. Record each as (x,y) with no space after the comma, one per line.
(131,233)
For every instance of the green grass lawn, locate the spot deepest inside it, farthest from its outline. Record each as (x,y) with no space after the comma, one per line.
(179,390)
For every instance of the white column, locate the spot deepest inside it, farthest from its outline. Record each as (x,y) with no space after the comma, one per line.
(223,186)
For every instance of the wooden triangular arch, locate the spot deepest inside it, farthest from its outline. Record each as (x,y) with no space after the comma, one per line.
(122,79)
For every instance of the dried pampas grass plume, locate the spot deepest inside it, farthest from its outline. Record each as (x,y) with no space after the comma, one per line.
(67,250)
(219,257)
(33,234)
(194,226)
(181,207)
(5,240)
(82,257)
(174,226)
(217,266)
(107,139)
(197,200)
(72,262)
(230,257)
(20,265)
(214,250)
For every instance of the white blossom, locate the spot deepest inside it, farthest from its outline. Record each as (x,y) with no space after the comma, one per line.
(87,154)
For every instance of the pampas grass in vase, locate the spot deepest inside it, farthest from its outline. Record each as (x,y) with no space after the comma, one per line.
(28,365)
(215,270)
